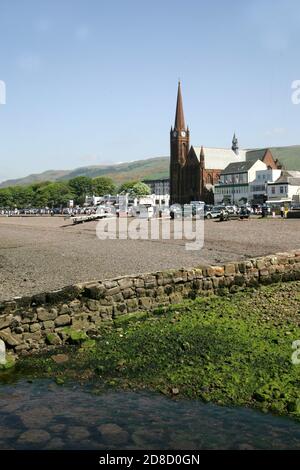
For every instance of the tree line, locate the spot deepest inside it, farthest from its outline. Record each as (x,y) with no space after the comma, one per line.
(59,193)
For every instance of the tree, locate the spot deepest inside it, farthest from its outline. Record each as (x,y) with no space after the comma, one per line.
(36,195)
(140,189)
(40,184)
(81,186)
(6,198)
(22,196)
(55,194)
(127,187)
(41,197)
(103,185)
(40,194)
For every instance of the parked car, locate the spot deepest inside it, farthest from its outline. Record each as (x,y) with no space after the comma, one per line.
(197,208)
(214,212)
(231,209)
(244,212)
(176,212)
(164,212)
(207,211)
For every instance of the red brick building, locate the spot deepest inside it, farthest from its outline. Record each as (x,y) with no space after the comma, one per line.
(195,170)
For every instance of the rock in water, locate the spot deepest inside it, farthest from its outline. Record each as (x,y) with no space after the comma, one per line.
(113,434)
(2,352)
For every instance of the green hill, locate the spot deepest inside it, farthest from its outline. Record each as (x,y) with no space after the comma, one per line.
(49,175)
(151,168)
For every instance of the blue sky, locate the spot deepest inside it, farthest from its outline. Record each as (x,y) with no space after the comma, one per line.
(93,81)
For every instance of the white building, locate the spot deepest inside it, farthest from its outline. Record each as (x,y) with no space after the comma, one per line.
(235,179)
(286,188)
(160,187)
(258,188)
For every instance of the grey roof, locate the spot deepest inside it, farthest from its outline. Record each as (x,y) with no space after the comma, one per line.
(238,167)
(294,174)
(255,154)
(289,177)
(288,157)
(218,158)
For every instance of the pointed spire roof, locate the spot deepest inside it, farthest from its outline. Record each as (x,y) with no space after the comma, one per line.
(179,118)
(202,158)
(235,144)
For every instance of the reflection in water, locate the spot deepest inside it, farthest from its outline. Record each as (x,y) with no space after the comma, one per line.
(43,415)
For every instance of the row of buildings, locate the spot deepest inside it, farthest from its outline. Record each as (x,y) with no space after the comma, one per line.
(255,183)
(240,184)
(219,175)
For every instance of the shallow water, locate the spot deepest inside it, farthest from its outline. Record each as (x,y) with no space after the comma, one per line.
(43,415)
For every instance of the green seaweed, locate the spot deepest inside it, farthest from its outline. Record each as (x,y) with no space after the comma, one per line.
(9,364)
(230,350)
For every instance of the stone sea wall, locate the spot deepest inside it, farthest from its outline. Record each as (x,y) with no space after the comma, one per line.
(51,318)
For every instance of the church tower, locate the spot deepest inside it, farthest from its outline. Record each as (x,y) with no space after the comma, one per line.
(180,146)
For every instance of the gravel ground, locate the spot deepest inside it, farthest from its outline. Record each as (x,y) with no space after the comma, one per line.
(40,254)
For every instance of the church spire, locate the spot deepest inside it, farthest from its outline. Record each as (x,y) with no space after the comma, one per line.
(202,157)
(179,150)
(179,118)
(235,144)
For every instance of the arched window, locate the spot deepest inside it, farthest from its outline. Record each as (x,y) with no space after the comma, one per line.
(209,179)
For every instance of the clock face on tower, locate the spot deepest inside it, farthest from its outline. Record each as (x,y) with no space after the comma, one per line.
(183,134)
(175,134)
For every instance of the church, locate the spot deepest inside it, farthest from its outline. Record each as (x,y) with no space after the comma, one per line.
(194,170)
